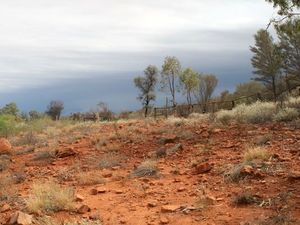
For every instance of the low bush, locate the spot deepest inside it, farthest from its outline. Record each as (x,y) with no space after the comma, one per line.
(7,125)
(286,114)
(146,168)
(225,116)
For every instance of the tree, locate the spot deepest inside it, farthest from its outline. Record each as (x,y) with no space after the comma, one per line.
(146,85)
(104,112)
(10,109)
(289,36)
(189,81)
(248,88)
(170,73)
(287,7)
(206,87)
(267,61)
(54,109)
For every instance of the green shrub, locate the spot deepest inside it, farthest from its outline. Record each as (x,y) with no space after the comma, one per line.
(7,125)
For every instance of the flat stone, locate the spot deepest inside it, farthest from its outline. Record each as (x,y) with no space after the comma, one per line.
(101,190)
(79,198)
(6,207)
(202,168)
(170,208)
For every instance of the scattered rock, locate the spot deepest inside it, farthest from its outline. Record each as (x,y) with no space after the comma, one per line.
(152,204)
(118,191)
(202,168)
(5,208)
(5,146)
(63,153)
(20,218)
(83,209)
(164,220)
(181,189)
(94,191)
(294,176)
(79,198)
(247,170)
(170,208)
(107,174)
(168,140)
(101,190)
(94,216)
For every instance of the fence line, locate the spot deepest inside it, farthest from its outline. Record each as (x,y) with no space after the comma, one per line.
(211,106)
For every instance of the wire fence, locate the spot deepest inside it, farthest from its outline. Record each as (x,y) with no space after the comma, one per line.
(213,106)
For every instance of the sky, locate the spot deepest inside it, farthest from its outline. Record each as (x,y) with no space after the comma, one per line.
(86,51)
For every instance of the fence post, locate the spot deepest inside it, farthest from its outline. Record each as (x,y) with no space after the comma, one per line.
(154,113)
(233,104)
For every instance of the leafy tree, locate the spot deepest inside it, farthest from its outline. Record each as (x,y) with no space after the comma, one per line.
(287,7)
(289,36)
(267,61)
(171,70)
(54,109)
(146,85)
(248,88)
(206,87)
(189,82)
(10,109)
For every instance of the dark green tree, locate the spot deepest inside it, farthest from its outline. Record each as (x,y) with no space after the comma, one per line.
(289,36)
(146,84)
(287,7)
(267,61)
(10,109)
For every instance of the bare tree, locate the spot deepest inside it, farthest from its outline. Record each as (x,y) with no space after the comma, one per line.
(171,70)
(54,109)
(146,85)
(206,87)
(104,112)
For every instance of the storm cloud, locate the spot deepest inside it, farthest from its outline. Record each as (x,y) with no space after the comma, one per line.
(84,52)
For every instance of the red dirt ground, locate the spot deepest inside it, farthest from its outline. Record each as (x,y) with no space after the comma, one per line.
(205,198)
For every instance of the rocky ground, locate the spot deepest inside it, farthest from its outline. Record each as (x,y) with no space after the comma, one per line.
(156,172)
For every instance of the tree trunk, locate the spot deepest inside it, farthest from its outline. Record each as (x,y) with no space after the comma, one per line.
(274,89)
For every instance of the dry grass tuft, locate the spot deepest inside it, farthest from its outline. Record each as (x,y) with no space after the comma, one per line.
(90,178)
(50,197)
(4,162)
(258,152)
